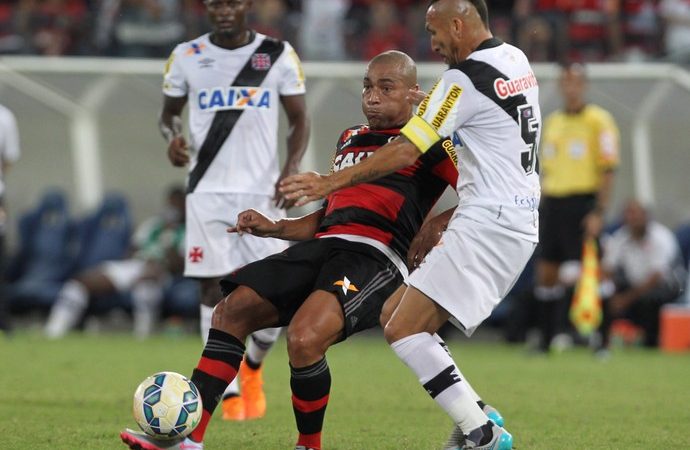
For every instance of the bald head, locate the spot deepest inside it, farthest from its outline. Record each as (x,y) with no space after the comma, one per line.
(467,10)
(400,63)
(388,79)
(457,28)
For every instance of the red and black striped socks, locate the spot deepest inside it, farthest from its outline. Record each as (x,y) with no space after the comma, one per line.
(217,367)
(311,386)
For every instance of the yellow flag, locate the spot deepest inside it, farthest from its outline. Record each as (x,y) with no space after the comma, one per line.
(585,310)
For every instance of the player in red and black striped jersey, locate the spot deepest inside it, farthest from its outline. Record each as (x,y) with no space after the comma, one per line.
(349,260)
(389,210)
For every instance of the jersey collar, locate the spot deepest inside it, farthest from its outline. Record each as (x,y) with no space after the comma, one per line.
(489,43)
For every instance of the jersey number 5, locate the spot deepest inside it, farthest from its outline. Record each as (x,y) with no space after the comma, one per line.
(528,129)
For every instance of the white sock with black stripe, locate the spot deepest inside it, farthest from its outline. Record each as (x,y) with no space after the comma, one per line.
(439,375)
(445,348)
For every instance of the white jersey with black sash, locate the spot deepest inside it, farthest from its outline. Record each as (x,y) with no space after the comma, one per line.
(488,105)
(234,101)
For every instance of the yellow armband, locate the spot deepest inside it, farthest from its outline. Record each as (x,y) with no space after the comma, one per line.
(420,133)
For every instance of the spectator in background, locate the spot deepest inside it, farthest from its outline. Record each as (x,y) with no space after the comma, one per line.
(269,18)
(10,39)
(148,28)
(542,29)
(322,31)
(641,259)
(9,154)
(502,19)
(595,31)
(386,31)
(157,253)
(559,30)
(53,27)
(641,29)
(578,158)
(676,17)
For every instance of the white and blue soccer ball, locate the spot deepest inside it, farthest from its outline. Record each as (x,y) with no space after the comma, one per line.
(167,405)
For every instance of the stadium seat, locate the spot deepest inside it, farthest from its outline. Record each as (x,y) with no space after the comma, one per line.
(181,298)
(683,236)
(105,234)
(44,258)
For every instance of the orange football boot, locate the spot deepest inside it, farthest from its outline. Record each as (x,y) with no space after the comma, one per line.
(233,408)
(251,383)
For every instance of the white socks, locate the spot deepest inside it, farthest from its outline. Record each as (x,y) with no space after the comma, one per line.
(260,342)
(205,315)
(72,301)
(146,300)
(441,378)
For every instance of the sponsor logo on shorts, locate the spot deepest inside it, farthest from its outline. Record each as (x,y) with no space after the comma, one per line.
(346,285)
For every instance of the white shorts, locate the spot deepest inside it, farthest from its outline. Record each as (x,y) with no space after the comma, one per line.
(124,273)
(213,252)
(471,270)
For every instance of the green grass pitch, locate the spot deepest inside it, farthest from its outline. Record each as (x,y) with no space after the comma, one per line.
(76,394)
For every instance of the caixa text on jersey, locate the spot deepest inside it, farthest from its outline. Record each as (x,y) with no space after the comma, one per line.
(221,98)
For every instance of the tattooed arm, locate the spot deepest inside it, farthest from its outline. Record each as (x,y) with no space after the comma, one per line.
(310,186)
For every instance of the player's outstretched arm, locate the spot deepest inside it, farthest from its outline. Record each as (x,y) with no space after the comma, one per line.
(310,186)
(302,228)
(170,125)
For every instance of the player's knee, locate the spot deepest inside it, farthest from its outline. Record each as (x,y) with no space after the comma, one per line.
(305,345)
(387,312)
(392,332)
(384,317)
(233,313)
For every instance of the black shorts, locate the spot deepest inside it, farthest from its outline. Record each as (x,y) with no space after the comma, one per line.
(360,276)
(560,226)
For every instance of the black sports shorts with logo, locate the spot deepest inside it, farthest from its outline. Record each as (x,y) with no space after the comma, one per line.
(360,276)
(560,226)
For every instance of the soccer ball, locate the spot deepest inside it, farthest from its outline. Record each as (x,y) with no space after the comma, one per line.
(167,405)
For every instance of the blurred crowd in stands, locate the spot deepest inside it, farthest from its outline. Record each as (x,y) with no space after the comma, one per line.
(72,268)
(334,30)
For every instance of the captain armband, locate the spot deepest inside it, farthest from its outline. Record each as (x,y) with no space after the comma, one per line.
(420,133)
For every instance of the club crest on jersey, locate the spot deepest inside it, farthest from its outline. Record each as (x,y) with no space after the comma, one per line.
(510,88)
(234,97)
(342,161)
(261,61)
